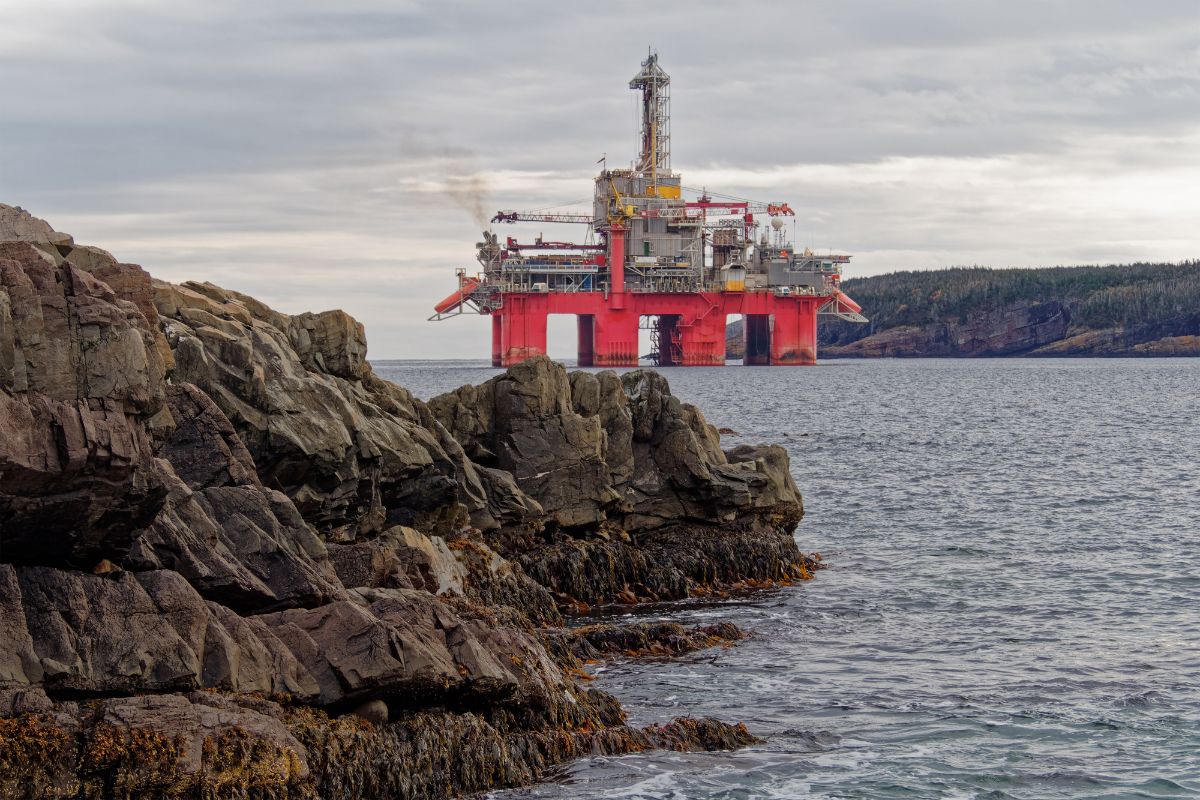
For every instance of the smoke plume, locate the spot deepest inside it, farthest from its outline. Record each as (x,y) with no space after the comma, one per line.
(470,193)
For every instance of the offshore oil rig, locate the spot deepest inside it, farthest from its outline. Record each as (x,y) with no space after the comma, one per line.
(651,258)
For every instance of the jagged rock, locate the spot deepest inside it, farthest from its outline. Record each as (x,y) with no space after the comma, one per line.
(638,461)
(80,381)
(20,665)
(522,422)
(237,542)
(591,448)
(18,225)
(203,448)
(243,546)
(356,454)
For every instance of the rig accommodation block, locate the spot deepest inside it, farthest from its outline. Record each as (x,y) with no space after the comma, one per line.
(651,258)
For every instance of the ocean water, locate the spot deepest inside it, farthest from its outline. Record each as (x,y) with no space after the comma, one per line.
(1012,604)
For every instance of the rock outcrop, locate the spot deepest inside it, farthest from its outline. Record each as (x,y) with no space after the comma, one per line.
(641,502)
(235,563)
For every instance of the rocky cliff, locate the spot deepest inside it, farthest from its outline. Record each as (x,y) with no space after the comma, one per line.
(235,563)
(1016,329)
(1132,310)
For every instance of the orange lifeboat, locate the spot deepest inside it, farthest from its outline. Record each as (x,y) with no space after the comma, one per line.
(455,300)
(841,297)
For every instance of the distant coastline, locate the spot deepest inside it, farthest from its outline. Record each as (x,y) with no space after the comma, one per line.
(1127,310)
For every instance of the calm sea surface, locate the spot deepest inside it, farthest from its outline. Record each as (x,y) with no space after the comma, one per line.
(1012,608)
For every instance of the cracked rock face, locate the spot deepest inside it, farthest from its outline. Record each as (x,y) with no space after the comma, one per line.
(357,455)
(235,563)
(83,385)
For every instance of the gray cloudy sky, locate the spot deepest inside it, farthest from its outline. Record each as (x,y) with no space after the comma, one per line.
(304,152)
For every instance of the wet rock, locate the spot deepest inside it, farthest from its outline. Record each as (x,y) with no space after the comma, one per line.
(572,646)
(502,586)
(420,754)
(671,563)
(705,734)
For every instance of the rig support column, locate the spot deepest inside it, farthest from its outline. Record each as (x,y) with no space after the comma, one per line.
(794,339)
(756,333)
(616,259)
(703,342)
(616,338)
(497,341)
(587,340)
(523,330)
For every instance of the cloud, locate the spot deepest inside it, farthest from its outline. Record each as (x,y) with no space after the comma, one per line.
(323,157)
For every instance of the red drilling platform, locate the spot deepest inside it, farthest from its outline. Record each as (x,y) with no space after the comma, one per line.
(677,266)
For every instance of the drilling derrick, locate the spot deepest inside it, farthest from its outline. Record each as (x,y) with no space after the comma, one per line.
(676,266)
(653,83)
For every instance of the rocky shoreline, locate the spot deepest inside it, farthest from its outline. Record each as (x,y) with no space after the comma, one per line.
(235,563)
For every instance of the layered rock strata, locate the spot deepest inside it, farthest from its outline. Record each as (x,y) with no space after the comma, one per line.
(235,563)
